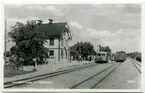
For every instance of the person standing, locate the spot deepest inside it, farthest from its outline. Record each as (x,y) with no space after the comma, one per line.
(21,62)
(7,64)
(90,58)
(34,63)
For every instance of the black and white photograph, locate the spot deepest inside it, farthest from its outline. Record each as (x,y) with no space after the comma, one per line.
(72,46)
(79,92)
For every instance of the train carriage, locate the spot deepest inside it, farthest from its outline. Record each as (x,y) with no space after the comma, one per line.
(120,56)
(102,57)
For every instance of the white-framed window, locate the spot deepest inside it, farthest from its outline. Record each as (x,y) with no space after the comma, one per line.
(51,43)
(51,53)
(103,54)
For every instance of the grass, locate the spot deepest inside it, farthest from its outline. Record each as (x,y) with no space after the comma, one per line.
(10,72)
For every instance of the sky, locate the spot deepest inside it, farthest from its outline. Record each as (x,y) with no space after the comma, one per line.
(115,25)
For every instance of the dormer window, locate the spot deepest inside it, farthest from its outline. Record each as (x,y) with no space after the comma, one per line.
(51,43)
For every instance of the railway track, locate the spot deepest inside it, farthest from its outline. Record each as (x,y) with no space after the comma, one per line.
(94,80)
(137,65)
(31,79)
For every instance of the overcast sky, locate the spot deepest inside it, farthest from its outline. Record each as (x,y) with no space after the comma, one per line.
(116,25)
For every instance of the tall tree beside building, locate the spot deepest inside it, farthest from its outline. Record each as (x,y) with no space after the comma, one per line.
(28,41)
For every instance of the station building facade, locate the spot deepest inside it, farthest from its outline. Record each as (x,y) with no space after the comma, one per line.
(58,37)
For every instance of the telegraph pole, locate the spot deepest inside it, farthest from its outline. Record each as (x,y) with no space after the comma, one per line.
(5,42)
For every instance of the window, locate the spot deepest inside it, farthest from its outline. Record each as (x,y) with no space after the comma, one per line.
(98,54)
(51,41)
(66,53)
(51,52)
(103,54)
(61,53)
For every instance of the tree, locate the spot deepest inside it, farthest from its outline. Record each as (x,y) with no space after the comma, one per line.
(28,41)
(104,49)
(83,48)
(136,55)
(7,54)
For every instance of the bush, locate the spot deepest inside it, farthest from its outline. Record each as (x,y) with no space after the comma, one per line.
(138,59)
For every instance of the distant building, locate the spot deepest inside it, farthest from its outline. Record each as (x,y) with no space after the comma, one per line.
(58,37)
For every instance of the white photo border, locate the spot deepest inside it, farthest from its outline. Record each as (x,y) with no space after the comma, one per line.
(72,2)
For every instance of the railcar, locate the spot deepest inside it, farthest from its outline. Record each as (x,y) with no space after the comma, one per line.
(103,57)
(120,56)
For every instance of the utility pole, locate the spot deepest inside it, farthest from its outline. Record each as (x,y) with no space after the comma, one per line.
(5,41)
(98,50)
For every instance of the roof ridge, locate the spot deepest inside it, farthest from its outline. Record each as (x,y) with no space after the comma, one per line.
(53,23)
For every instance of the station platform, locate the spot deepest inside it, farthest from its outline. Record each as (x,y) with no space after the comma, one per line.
(45,68)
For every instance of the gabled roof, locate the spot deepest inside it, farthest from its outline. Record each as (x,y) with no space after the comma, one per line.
(52,30)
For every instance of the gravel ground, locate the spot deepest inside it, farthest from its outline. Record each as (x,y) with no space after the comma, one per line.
(67,80)
(126,76)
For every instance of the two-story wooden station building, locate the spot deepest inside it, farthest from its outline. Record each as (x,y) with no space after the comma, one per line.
(58,37)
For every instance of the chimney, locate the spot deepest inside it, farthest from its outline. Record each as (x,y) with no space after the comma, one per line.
(39,22)
(50,21)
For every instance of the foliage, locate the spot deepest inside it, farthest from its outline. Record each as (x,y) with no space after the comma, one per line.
(8,54)
(138,59)
(104,49)
(134,55)
(29,41)
(82,48)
